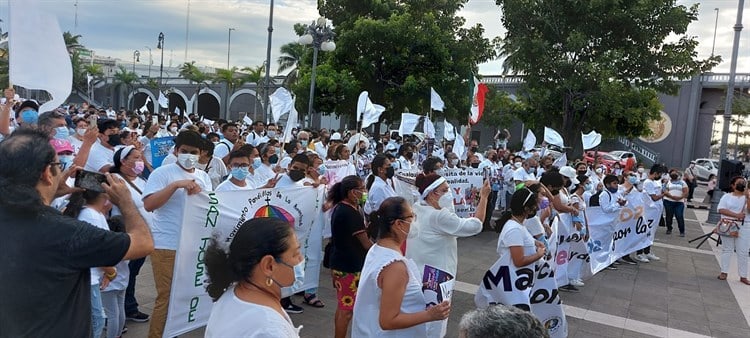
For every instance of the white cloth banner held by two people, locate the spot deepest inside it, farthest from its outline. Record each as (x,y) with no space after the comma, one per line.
(551,136)
(368,112)
(38,57)
(219,215)
(436,102)
(591,140)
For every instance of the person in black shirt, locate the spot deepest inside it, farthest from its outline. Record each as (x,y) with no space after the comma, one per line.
(350,245)
(45,277)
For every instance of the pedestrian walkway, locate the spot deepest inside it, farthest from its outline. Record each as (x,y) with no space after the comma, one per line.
(678,296)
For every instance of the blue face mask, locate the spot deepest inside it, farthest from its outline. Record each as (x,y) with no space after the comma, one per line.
(299,275)
(303,143)
(66,160)
(531,170)
(633,180)
(30,116)
(588,186)
(612,190)
(240,173)
(322,170)
(257,163)
(62,133)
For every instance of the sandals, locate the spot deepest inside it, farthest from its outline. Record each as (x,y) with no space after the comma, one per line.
(744,281)
(313,301)
(722,276)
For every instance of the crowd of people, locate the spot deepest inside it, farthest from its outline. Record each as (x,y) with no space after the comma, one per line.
(73,255)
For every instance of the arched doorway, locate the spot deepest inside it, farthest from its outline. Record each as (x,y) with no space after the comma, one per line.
(245,101)
(139,99)
(208,106)
(177,101)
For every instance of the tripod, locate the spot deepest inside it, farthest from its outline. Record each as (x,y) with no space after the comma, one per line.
(704,238)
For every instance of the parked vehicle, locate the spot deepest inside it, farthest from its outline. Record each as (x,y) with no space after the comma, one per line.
(604,157)
(621,155)
(704,167)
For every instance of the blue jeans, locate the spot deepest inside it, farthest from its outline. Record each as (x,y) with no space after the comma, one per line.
(97,312)
(131,304)
(675,209)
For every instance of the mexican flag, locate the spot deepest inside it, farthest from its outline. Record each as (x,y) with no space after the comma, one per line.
(478,91)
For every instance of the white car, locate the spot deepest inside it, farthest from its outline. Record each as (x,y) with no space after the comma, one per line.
(620,155)
(705,167)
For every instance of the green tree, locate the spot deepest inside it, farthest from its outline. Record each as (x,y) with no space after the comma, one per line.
(123,77)
(72,42)
(253,74)
(291,54)
(396,50)
(598,64)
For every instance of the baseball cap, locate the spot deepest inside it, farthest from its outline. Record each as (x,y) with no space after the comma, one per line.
(61,145)
(570,173)
(336,136)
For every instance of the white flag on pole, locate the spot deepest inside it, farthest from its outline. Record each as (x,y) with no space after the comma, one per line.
(529,142)
(177,110)
(429,128)
(561,161)
(248,121)
(163,100)
(459,146)
(38,56)
(145,105)
(291,122)
(281,103)
(409,122)
(551,136)
(449,133)
(436,103)
(368,112)
(591,140)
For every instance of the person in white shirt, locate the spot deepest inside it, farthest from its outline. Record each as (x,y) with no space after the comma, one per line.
(377,183)
(231,141)
(406,157)
(240,166)
(321,147)
(438,228)
(164,195)
(245,281)
(733,207)
(389,300)
(652,187)
(527,172)
(257,136)
(76,139)
(211,164)
(269,159)
(675,191)
(101,154)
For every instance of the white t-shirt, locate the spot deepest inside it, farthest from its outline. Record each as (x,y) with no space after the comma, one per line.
(76,143)
(99,156)
(234,317)
(379,191)
(167,222)
(675,189)
(514,234)
(223,148)
(522,175)
(217,170)
(732,203)
(534,226)
(98,220)
(137,200)
(264,173)
(228,185)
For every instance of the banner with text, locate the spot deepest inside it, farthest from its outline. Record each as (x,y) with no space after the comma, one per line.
(219,215)
(464,184)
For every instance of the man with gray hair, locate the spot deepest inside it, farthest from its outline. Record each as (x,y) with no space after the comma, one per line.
(501,321)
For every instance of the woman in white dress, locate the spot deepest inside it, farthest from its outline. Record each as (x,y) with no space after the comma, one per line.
(733,206)
(246,282)
(390,302)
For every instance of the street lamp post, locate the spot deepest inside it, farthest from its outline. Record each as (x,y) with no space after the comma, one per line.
(136,58)
(150,60)
(160,45)
(268,67)
(713,214)
(320,36)
(229,45)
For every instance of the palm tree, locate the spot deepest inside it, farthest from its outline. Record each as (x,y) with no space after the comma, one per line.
(72,42)
(125,78)
(254,74)
(291,55)
(232,78)
(190,71)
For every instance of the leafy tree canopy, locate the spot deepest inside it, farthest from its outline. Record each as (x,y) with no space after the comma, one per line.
(598,64)
(396,50)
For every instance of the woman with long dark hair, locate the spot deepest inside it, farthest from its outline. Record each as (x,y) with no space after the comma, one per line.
(350,244)
(245,282)
(377,183)
(390,301)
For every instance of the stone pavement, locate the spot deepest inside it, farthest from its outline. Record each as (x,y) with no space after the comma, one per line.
(678,296)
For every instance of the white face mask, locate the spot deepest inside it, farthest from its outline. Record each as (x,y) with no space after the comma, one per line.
(446,201)
(518,165)
(81,131)
(271,133)
(454,162)
(187,161)
(173,129)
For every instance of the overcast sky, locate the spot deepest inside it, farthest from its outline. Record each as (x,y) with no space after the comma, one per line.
(117,28)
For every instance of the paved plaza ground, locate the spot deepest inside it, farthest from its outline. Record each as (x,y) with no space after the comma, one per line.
(678,296)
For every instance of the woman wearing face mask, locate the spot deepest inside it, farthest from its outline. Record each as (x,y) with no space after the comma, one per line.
(378,186)
(562,204)
(617,170)
(515,241)
(350,244)
(390,301)
(173,128)
(578,200)
(733,207)
(246,282)
(129,164)
(433,238)
(675,191)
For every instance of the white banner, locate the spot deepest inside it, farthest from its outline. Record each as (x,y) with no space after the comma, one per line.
(219,215)
(464,185)
(337,170)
